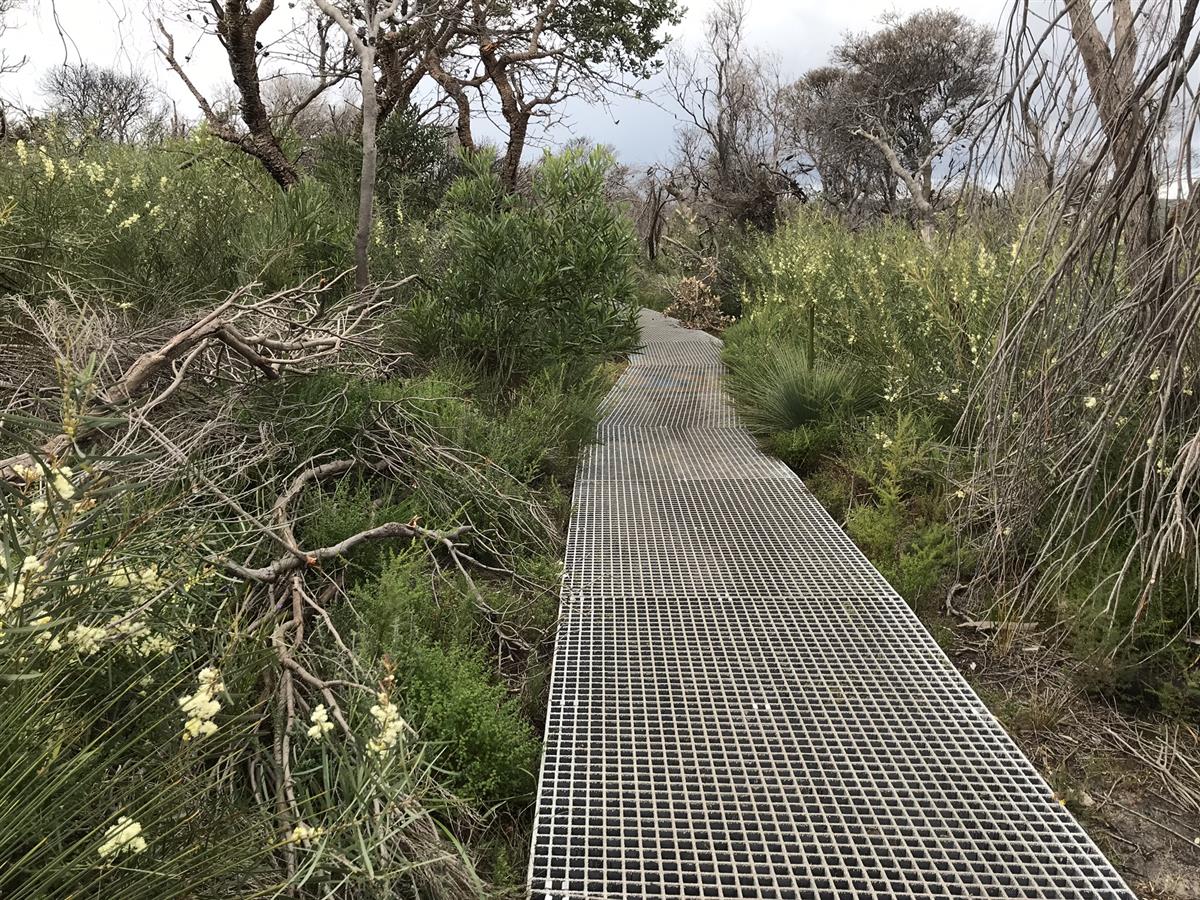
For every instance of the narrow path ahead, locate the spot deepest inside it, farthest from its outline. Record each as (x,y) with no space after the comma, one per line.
(742,707)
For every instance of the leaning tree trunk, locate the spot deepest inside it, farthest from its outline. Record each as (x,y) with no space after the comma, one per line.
(517,131)
(1111,78)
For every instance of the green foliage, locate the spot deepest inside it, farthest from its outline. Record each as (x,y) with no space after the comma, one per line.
(900,521)
(106,619)
(783,389)
(529,284)
(485,749)
(145,229)
(627,34)
(413,172)
(655,289)
(803,447)
(87,741)
(355,504)
(482,745)
(917,317)
(407,604)
(925,562)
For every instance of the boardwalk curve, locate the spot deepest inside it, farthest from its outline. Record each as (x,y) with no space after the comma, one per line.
(741,706)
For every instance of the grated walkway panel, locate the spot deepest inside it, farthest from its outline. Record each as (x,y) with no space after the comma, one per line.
(742,707)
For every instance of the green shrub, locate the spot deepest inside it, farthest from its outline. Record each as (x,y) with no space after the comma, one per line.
(525,284)
(399,608)
(877,530)
(833,487)
(414,167)
(804,447)
(542,431)
(899,520)
(917,317)
(353,505)
(782,389)
(429,628)
(925,562)
(484,748)
(107,612)
(158,228)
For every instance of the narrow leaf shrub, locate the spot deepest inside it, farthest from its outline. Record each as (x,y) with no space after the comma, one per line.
(919,318)
(157,228)
(528,283)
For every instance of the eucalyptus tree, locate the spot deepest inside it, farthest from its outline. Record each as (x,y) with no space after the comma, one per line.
(526,58)
(895,107)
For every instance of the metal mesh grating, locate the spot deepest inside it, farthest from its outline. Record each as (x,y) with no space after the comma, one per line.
(742,707)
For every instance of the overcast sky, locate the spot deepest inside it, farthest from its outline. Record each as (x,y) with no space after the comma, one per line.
(117,33)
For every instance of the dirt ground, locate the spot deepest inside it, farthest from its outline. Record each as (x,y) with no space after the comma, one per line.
(1134,784)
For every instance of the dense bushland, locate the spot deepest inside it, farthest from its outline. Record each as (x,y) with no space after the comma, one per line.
(279,558)
(860,359)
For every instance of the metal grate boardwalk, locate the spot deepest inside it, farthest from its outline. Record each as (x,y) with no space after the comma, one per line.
(742,707)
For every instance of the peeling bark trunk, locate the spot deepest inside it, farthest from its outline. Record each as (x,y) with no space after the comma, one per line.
(237,28)
(518,129)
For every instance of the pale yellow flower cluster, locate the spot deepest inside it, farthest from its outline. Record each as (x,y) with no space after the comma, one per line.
(147,580)
(321,725)
(303,833)
(390,727)
(202,707)
(61,479)
(124,837)
(85,639)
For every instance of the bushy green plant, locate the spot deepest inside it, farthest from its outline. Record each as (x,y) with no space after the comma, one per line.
(524,284)
(926,560)
(415,167)
(920,317)
(782,388)
(482,745)
(900,520)
(157,228)
(804,447)
(400,608)
(480,742)
(541,432)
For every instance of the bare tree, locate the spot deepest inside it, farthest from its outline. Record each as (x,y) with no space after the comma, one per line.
(819,121)
(915,90)
(1111,66)
(730,98)
(653,195)
(331,114)
(238,26)
(373,14)
(1086,420)
(93,102)
(8,64)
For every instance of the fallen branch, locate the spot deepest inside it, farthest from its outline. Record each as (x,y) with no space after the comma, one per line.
(302,337)
(314,558)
